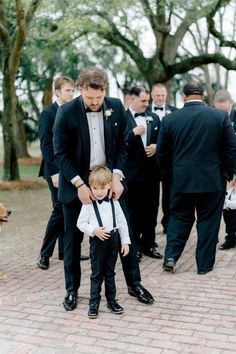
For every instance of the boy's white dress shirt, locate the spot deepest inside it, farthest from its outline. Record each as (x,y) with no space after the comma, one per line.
(87,220)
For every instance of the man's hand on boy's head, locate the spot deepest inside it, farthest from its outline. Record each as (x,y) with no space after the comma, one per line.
(124,250)
(101,233)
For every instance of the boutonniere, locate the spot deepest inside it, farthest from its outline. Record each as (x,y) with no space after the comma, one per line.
(149,119)
(168,112)
(108,113)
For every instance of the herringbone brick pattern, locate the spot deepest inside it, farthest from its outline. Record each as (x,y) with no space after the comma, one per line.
(191,314)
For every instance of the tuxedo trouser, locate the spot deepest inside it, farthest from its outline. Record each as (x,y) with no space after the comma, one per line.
(143,201)
(165,201)
(230,225)
(73,238)
(55,226)
(103,257)
(208,208)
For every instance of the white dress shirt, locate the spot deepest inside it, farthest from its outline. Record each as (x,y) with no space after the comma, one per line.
(141,120)
(87,220)
(97,144)
(159,112)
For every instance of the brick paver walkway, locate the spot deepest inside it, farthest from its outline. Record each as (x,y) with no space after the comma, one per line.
(192,313)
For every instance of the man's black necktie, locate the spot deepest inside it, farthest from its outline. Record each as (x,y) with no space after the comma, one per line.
(106,199)
(139,114)
(160,108)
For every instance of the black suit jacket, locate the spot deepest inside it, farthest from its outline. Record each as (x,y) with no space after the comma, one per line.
(233,118)
(139,167)
(169,108)
(198,146)
(48,165)
(72,142)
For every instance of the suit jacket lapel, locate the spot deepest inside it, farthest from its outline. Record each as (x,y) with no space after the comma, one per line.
(107,129)
(149,131)
(83,122)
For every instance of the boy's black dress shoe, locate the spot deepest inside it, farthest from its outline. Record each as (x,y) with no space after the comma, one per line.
(169,264)
(153,253)
(227,245)
(93,310)
(115,308)
(141,294)
(43,262)
(70,301)
(84,258)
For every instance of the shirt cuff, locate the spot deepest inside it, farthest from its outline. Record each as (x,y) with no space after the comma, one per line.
(56,175)
(119,172)
(75,179)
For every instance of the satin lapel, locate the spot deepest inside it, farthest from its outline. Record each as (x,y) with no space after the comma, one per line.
(107,129)
(149,131)
(83,123)
(131,119)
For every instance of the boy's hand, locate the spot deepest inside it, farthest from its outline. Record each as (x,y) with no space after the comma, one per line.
(124,250)
(101,233)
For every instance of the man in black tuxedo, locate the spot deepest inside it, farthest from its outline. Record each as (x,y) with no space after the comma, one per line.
(198,145)
(162,108)
(223,100)
(64,88)
(141,172)
(88,131)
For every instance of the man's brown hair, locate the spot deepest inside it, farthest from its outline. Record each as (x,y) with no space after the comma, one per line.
(93,77)
(61,80)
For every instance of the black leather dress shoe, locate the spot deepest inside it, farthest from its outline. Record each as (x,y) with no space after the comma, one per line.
(93,310)
(84,258)
(141,294)
(115,308)
(169,264)
(153,253)
(227,245)
(43,262)
(70,301)
(204,271)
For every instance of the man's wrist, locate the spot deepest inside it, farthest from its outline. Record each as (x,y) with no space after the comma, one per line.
(79,183)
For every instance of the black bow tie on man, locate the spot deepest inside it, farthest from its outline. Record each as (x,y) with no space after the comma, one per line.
(139,114)
(160,108)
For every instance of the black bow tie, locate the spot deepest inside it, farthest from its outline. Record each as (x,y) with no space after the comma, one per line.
(106,199)
(160,108)
(139,114)
(88,110)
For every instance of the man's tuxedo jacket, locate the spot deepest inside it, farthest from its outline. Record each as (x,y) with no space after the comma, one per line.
(139,167)
(72,142)
(198,146)
(48,165)
(233,118)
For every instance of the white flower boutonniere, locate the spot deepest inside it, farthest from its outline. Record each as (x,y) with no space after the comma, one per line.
(149,119)
(108,112)
(168,112)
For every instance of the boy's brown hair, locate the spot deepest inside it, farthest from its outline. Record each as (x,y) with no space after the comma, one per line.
(100,175)
(93,77)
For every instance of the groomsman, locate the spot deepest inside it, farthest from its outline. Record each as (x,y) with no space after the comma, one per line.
(162,108)
(197,145)
(223,100)
(64,88)
(141,172)
(88,131)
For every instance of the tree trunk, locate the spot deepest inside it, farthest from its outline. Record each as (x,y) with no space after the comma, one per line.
(20,137)
(47,95)
(10,167)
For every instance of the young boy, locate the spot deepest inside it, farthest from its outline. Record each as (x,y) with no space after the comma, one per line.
(101,220)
